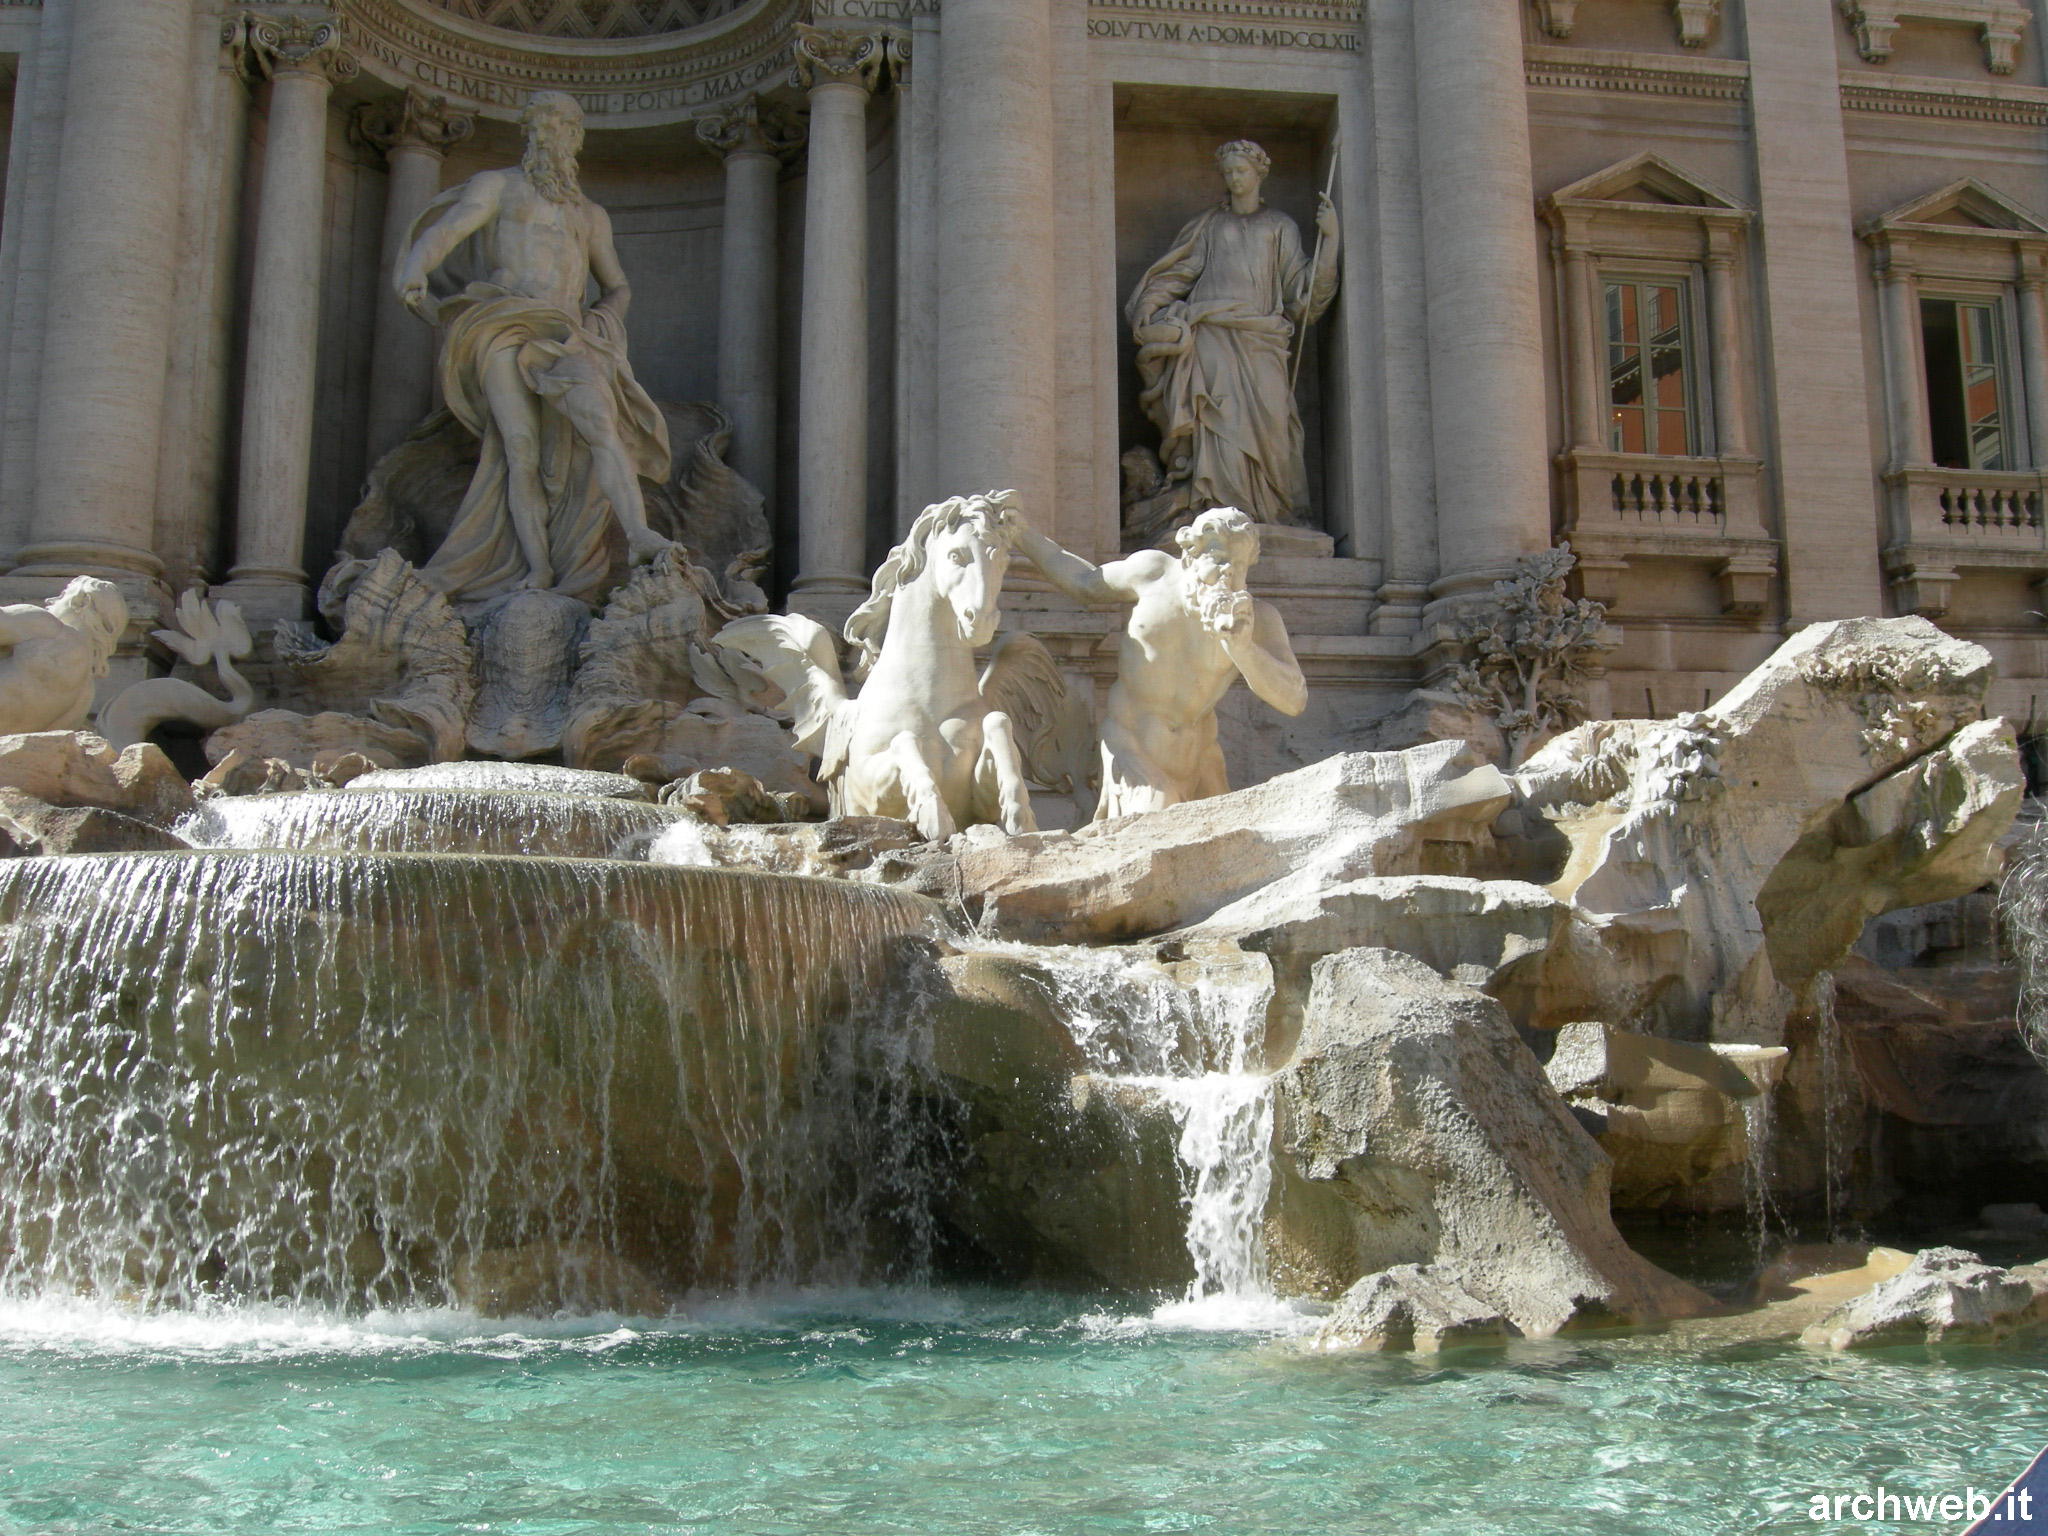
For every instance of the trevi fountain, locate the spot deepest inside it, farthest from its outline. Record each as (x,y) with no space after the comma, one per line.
(590,1017)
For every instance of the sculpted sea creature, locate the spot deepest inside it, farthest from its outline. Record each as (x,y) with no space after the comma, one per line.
(926,740)
(206,633)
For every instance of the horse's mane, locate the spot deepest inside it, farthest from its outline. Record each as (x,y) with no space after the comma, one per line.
(869,626)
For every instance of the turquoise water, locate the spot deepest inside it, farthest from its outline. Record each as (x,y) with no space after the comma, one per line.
(955,1414)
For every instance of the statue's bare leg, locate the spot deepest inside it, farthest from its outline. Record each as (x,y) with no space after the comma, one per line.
(516,413)
(1002,792)
(610,465)
(920,786)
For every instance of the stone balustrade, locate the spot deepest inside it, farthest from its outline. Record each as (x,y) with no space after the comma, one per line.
(1624,506)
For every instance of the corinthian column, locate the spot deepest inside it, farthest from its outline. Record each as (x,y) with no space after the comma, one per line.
(114,228)
(996,219)
(1485,332)
(840,69)
(415,131)
(750,139)
(301,59)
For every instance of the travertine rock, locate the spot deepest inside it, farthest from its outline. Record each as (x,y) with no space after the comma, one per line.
(851,847)
(1947,1296)
(1416,1128)
(77,768)
(526,646)
(1670,1114)
(722,796)
(1419,1307)
(37,828)
(1721,860)
(1343,819)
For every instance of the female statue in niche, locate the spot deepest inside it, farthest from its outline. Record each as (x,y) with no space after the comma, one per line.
(1215,320)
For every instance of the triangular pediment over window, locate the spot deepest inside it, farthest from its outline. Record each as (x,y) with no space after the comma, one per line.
(1647,179)
(1967,205)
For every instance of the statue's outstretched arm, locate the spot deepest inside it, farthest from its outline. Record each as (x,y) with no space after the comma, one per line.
(475,208)
(1266,658)
(1078,578)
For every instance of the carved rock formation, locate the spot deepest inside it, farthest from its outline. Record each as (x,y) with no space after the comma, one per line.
(77,768)
(1419,1307)
(396,687)
(1947,1296)
(1417,1128)
(526,649)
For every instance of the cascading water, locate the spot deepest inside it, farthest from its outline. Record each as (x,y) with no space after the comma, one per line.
(1196,1049)
(344,1080)
(429,821)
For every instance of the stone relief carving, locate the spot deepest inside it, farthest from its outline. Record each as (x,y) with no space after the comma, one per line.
(839,55)
(1531,647)
(1193,631)
(752,123)
(275,45)
(925,740)
(1217,319)
(207,635)
(542,381)
(52,654)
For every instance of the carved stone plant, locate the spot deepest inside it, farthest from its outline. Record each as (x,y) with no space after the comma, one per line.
(1531,650)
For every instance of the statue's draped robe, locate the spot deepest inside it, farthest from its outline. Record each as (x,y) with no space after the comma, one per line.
(558,353)
(1214,318)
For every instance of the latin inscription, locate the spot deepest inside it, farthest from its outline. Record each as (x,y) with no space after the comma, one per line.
(873,10)
(1213,34)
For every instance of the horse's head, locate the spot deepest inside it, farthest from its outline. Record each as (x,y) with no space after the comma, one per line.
(961,549)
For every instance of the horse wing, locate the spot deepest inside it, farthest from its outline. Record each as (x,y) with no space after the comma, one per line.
(798,656)
(1055,726)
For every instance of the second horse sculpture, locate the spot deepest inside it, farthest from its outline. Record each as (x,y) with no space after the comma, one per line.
(926,740)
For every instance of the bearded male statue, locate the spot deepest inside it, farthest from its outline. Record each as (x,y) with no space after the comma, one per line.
(51,657)
(1193,631)
(567,431)
(1215,319)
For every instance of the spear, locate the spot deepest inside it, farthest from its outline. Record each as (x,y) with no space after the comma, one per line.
(1315,265)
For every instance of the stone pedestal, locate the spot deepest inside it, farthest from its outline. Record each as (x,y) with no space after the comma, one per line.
(415,131)
(108,321)
(841,70)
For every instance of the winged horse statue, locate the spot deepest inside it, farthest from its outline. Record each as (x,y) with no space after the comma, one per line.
(926,739)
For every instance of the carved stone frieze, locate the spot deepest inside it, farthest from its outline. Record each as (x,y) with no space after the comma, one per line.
(752,125)
(619,81)
(2016,106)
(2000,24)
(1634,74)
(839,56)
(295,45)
(414,120)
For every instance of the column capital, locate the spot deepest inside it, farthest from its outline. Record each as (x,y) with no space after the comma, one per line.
(751,126)
(412,121)
(272,46)
(839,56)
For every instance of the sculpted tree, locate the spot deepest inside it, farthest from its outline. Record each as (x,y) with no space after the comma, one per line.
(1531,651)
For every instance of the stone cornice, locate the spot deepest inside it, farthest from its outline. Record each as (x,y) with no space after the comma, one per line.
(620,83)
(2015,106)
(1637,74)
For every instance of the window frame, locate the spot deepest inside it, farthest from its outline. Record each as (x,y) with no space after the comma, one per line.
(2015,424)
(1690,280)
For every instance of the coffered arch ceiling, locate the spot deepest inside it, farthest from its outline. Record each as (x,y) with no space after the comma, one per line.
(589,18)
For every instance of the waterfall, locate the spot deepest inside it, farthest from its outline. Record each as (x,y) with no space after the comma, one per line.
(1196,1049)
(430,821)
(337,1080)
